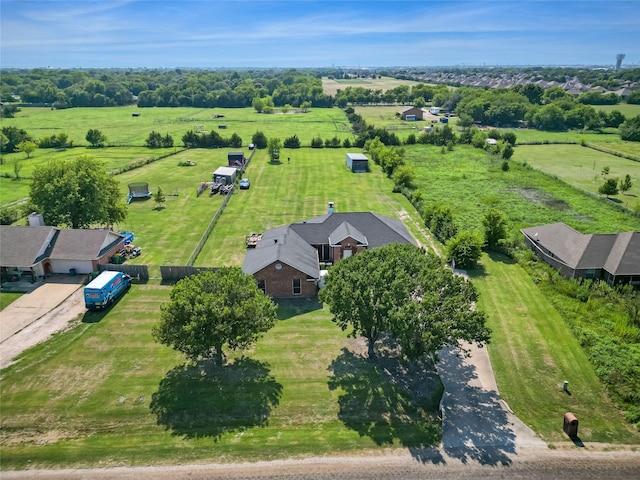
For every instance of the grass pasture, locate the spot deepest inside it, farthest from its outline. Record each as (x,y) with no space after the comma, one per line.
(385,117)
(582,167)
(104,394)
(471,181)
(122,129)
(627,109)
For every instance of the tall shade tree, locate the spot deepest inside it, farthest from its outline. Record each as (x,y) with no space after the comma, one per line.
(76,193)
(214,310)
(399,290)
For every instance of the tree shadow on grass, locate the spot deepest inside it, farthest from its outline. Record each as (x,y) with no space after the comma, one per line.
(390,401)
(202,400)
(475,425)
(291,307)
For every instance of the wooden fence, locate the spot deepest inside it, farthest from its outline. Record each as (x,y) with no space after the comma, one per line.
(216,216)
(140,272)
(174,273)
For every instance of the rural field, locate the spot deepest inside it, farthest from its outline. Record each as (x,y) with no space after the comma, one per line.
(331,86)
(104,393)
(582,168)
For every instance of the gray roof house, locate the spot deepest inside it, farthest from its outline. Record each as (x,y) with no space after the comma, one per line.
(614,258)
(286,261)
(42,250)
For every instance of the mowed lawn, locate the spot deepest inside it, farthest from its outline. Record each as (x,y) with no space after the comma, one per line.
(286,192)
(533,351)
(105,394)
(582,167)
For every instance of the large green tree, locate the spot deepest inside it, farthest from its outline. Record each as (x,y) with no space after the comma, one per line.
(96,138)
(399,290)
(465,249)
(213,310)
(495,228)
(76,193)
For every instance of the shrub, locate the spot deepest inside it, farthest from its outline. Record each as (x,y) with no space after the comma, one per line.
(292,142)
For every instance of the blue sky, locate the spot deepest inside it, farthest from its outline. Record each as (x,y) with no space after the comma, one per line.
(300,33)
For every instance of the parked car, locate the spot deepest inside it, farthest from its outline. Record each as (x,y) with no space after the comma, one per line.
(244,183)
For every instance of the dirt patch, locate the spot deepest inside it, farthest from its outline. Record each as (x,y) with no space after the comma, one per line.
(540,197)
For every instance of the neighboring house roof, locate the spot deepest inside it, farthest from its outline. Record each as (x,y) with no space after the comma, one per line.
(282,245)
(84,244)
(25,246)
(624,258)
(618,254)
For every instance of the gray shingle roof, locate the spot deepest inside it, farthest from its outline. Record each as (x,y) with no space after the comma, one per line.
(84,244)
(377,229)
(344,230)
(24,246)
(293,244)
(283,245)
(617,254)
(624,258)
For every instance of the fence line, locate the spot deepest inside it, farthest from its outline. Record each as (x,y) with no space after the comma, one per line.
(139,271)
(175,273)
(216,216)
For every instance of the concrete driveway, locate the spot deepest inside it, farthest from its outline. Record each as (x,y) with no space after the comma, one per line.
(33,305)
(477,425)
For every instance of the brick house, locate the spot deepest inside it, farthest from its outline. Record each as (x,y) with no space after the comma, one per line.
(286,261)
(614,258)
(413,113)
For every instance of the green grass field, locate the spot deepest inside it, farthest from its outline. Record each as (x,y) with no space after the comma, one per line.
(582,167)
(122,129)
(299,397)
(533,351)
(104,394)
(6,298)
(115,158)
(627,109)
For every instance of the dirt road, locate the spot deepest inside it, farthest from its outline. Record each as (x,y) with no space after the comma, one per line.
(535,464)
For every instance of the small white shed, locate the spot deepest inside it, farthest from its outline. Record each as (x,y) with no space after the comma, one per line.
(434,110)
(357,162)
(225,175)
